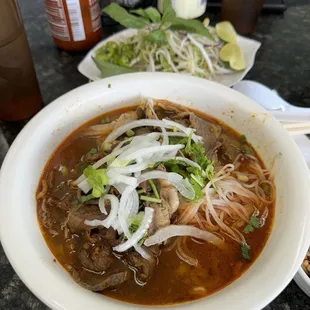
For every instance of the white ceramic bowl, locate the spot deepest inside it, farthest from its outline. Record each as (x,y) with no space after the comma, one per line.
(21,170)
(303,281)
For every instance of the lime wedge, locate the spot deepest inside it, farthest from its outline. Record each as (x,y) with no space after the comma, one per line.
(226,31)
(233,54)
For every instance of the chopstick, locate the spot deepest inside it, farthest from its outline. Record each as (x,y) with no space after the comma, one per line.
(297,128)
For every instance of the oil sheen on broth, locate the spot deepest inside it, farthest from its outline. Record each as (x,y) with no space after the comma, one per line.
(234,202)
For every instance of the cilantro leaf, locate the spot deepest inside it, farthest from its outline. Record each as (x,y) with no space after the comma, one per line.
(197,188)
(97,179)
(245,251)
(189,142)
(253,223)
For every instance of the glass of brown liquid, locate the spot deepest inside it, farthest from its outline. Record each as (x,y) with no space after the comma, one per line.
(20,96)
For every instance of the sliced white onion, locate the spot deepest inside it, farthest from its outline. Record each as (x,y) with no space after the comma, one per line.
(139,233)
(112,215)
(182,185)
(125,206)
(119,178)
(102,161)
(84,186)
(170,231)
(144,253)
(113,212)
(179,126)
(150,151)
(102,206)
(149,122)
(128,169)
(165,136)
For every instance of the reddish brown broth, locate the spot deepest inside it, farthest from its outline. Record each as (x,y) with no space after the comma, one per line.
(173,280)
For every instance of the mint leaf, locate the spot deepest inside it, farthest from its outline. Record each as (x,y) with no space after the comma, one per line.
(168,12)
(126,19)
(191,26)
(153,14)
(108,69)
(140,12)
(156,36)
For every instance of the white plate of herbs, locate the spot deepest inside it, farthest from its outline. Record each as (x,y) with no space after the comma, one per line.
(166,43)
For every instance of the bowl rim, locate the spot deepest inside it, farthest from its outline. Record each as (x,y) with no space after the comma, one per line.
(303,281)
(56,104)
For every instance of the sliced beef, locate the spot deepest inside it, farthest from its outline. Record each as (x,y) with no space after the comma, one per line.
(110,235)
(208,130)
(97,283)
(140,112)
(55,202)
(161,216)
(143,268)
(90,158)
(126,118)
(77,217)
(96,257)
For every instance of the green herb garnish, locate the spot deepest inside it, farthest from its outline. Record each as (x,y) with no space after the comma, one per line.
(150,199)
(97,179)
(243,139)
(245,251)
(254,222)
(154,189)
(246,149)
(93,150)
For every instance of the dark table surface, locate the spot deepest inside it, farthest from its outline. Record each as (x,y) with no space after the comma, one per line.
(281,63)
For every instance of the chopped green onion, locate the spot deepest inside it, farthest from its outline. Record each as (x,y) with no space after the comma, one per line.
(140,191)
(154,189)
(150,199)
(93,150)
(174,129)
(130,133)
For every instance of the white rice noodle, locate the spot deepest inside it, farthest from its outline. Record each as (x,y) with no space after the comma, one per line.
(170,231)
(139,233)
